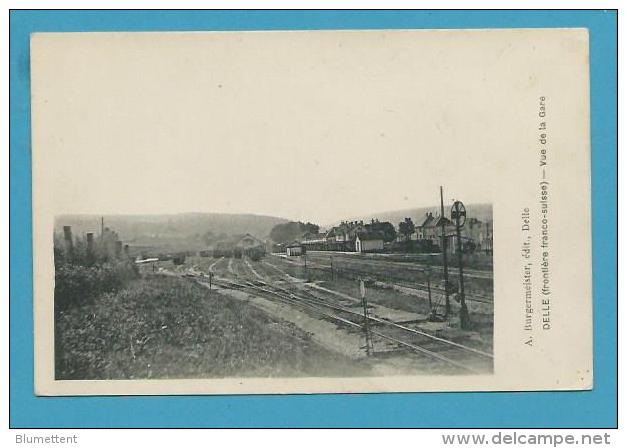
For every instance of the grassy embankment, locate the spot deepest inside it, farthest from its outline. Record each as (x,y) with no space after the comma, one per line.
(168,327)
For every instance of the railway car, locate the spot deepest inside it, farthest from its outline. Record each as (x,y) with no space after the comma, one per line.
(217,253)
(178,259)
(223,249)
(255,253)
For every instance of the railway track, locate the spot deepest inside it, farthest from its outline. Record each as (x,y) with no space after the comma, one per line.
(436,290)
(405,265)
(459,356)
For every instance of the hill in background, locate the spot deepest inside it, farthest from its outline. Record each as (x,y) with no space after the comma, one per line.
(196,230)
(185,230)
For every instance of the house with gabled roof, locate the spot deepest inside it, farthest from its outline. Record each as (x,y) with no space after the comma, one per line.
(431,227)
(369,241)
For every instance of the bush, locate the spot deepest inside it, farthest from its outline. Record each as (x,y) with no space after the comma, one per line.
(168,327)
(77,285)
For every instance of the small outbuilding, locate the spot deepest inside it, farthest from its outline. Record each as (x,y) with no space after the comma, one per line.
(294,250)
(368,242)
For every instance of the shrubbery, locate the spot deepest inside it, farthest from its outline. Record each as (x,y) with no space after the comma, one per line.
(84,271)
(169,327)
(78,284)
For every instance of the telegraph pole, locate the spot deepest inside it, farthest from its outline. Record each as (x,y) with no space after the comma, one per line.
(362,293)
(444,260)
(457,213)
(428,273)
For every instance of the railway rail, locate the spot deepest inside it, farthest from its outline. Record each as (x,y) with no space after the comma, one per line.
(441,349)
(406,265)
(436,290)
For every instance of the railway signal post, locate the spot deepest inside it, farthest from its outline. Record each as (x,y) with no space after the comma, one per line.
(444,260)
(458,215)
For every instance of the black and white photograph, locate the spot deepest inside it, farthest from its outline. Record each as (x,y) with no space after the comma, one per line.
(217,295)
(312,211)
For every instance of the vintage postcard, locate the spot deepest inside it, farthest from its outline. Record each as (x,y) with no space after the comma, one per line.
(311,211)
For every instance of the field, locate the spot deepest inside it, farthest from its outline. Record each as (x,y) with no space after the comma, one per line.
(167,327)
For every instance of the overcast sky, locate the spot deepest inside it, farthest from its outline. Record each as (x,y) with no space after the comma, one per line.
(311,126)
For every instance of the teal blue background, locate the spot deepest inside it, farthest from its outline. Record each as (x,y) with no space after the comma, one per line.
(597,408)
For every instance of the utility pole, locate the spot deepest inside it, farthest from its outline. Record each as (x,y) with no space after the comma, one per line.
(428,273)
(369,343)
(332,272)
(444,260)
(458,213)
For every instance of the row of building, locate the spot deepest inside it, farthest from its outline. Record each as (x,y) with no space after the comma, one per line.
(476,235)
(376,236)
